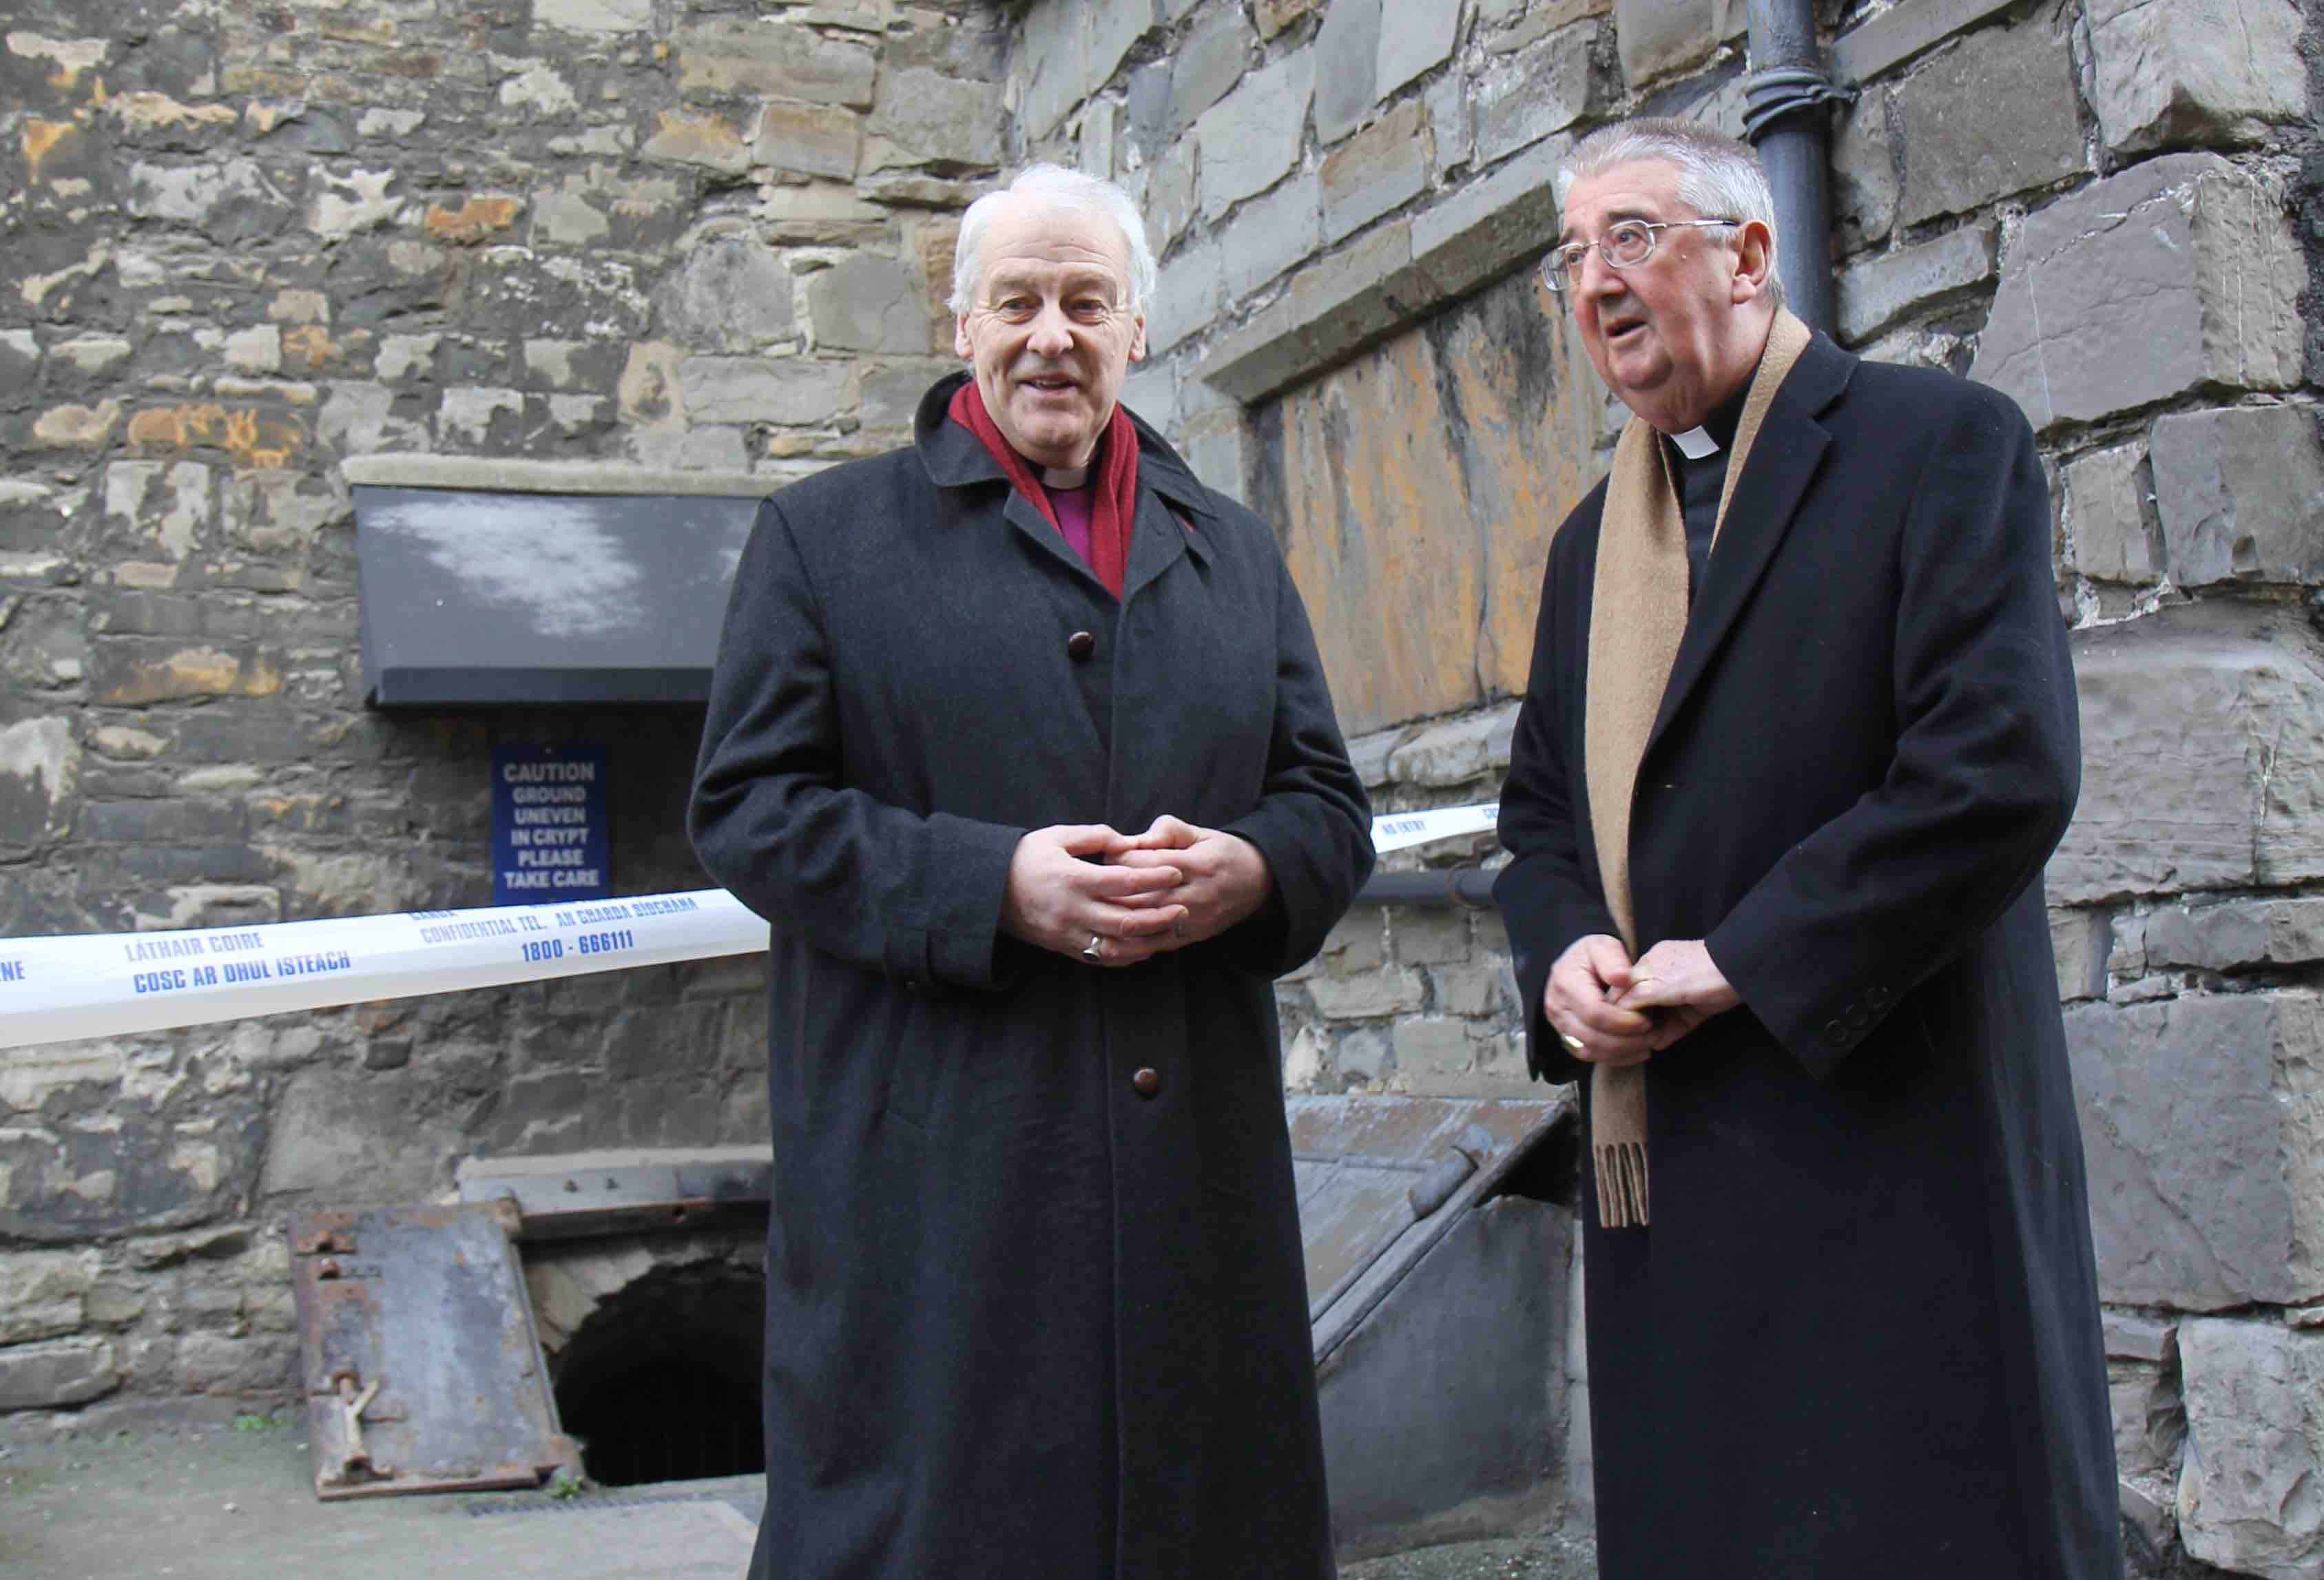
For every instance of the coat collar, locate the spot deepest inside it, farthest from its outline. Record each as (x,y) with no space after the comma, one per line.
(954,458)
(1784,459)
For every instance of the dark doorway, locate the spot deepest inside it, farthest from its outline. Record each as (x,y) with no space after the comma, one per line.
(662,1383)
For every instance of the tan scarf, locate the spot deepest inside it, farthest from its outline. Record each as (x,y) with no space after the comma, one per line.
(1638,606)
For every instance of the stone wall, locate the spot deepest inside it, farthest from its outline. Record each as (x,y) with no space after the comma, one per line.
(2089,204)
(242,246)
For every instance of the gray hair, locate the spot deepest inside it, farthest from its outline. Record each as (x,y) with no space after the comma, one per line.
(1069,188)
(1717,177)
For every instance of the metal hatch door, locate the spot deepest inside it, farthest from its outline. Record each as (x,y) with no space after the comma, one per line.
(421,1366)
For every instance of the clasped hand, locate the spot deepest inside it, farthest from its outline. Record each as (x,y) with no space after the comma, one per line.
(1610,1009)
(1137,895)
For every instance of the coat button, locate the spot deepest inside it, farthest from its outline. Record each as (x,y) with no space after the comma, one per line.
(1146,1083)
(1080,645)
(1836,1034)
(1878,998)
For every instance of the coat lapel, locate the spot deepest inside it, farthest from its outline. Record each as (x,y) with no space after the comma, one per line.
(1782,461)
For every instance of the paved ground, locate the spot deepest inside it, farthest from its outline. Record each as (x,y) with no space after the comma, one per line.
(212,1502)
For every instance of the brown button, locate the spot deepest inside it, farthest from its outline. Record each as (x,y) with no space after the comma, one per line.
(1080,645)
(1146,1083)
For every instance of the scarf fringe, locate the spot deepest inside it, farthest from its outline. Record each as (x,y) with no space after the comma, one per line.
(1621,1184)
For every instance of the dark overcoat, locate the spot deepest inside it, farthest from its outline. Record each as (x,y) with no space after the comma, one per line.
(1860,1335)
(1022,1320)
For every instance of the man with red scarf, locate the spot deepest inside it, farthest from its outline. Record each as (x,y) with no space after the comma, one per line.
(1020,742)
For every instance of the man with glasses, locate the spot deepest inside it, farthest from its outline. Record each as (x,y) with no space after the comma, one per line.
(1799,737)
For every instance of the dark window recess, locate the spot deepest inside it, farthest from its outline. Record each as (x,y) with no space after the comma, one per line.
(662,1384)
(472,597)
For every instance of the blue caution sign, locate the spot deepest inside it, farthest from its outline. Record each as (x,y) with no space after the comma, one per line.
(552,829)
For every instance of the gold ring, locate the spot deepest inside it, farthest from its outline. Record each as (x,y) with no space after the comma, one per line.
(1571,1040)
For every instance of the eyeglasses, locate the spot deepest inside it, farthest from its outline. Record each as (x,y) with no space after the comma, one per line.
(1625,244)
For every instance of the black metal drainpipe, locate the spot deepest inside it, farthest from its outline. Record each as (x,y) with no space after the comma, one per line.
(1785,101)
(1464,886)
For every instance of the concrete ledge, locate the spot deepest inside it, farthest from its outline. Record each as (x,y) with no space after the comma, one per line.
(488,474)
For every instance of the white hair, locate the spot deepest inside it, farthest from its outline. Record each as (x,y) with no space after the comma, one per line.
(1068,189)
(1717,177)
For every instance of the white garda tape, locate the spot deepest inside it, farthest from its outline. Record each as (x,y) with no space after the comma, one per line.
(112,985)
(55,989)
(1402,830)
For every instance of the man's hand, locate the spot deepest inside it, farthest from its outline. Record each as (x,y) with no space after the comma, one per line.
(1060,896)
(1226,877)
(1680,985)
(1580,1003)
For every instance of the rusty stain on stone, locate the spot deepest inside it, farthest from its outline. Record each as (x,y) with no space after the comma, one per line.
(39,140)
(147,111)
(77,427)
(474,220)
(197,672)
(258,441)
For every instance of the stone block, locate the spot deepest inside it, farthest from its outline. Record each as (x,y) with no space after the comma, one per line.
(868,303)
(2203,757)
(1269,234)
(2194,71)
(1449,129)
(1878,292)
(56,1375)
(1275,15)
(1993,114)
(2247,1494)
(1051,67)
(708,139)
(40,771)
(731,294)
(1471,236)
(936,120)
(1429,935)
(2148,1421)
(44,1294)
(1205,67)
(1432,1048)
(2112,534)
(1346,57)
(1458,751)
(2202,1120)
(1415,37)
(2130,1337)
(595,16)
(2240,493)
(2178,272)
(1658,37)
(1172,199)
(2080,941)
(2236,935)
(1903,32)
(1542,88)
(779,59)
(1864,188)
(1478,990)
(1250,139)
(815,140)
(1358,945)
(1190,296)
(1380,168)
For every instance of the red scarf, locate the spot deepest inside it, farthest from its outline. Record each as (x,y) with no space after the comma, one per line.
(1116,499)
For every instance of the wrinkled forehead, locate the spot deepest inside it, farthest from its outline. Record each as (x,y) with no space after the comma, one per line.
(1637,189)
(1033,237)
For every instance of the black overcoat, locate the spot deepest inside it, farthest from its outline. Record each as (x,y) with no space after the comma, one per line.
(1022,1319)
(1860,1337)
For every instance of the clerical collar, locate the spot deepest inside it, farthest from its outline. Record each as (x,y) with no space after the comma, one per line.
(1717,431)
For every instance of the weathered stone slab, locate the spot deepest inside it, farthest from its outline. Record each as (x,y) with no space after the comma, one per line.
(1415,37)
(2200,71)
(57,1374)
(819,139)
(1903,32)
(1658,37)
(2112,534)
(2236,935)
(2080,941)
(1864,188)
(1205,67)
(1190,294)
(755,389)
(709,139)
(1250,138)
(1052,65)
(2241,496)
(607,16)
(868,303)
(1994,114)
(43,1294)
(1543,88)
(40,768)
(1270,233)
(2203,1123)
(2138,1338)
(1457,751)
(2247,1498)
(783,60)
(2203,757)
(1380,169)
(937,119)
(1877,292)
(1346,54)
(2177,272)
